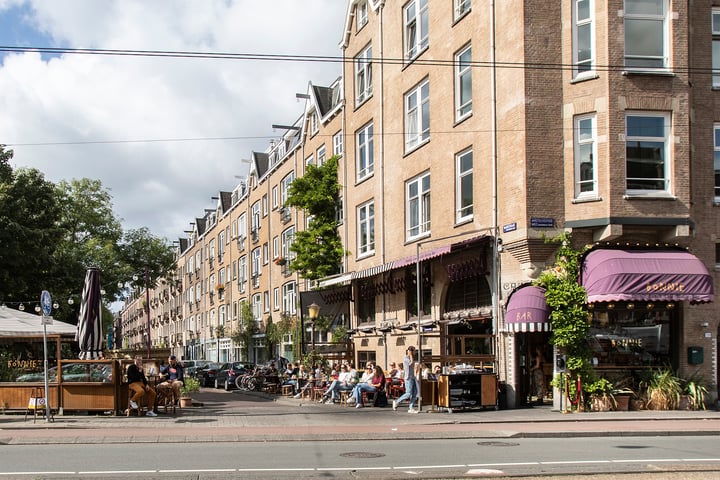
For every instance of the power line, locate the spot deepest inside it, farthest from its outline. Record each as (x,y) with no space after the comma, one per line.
(327,59)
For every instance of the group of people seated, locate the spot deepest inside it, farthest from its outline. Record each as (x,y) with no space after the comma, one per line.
(373,382)
(172,378)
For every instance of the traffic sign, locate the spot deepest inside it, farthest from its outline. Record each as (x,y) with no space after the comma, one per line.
(46,302)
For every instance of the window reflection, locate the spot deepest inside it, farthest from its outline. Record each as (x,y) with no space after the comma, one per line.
(631,335)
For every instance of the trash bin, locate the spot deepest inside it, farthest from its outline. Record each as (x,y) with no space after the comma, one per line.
(502,396)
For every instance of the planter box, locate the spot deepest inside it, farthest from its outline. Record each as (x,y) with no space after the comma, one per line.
(601,404)
(622,403)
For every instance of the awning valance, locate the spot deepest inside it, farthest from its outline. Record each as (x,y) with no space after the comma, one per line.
(659,275)
(527,310)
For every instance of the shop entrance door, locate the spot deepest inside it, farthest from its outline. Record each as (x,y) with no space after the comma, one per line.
(526,342)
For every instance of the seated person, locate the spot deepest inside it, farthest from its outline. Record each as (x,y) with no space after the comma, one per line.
(307,387)
(375,383)
(138,384)
(344,382)
(174,375)
(392,370)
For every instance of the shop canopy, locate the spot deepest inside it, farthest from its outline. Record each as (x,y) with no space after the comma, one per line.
(527,310)
(14,323)
(611,275)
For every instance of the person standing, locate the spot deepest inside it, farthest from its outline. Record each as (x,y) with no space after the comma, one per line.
(410,367)
(137,382)
(538,375)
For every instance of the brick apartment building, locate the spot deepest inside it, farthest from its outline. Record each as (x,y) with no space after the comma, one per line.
(470,131)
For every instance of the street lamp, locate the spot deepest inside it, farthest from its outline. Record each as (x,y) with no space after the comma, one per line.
(313,312)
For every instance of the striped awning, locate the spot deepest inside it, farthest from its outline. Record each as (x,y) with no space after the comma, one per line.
(372,271)
(329,281)
(527,310)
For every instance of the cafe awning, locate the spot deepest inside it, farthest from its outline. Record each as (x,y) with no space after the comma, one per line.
(527,310)
(659,275)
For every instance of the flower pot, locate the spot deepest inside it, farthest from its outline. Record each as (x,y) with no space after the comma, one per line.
(622,403)
(601,403)
(637,404)
(185,402)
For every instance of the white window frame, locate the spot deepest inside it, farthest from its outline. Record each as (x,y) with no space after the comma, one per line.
(285,187)
(289,298)
(641,61)
(266,301)
(716,161)
(464,212)
(666,150)
(460,8)
(365,155)
(310,160)
(366,229)
(463,83)
(276,298)
(242,273)
(286,240)
(585,66)
(415,31)
(257,307)
(417,116)
(338,143)
(274,197)
(321,156)
(582,144)
(417,207)
(256,262)
(361,15)
(363,76)
(255,218)
(276,247)
(313,123)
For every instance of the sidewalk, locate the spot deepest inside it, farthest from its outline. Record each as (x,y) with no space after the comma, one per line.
(240,417)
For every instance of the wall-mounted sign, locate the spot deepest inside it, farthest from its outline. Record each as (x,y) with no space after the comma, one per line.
(542,222)
(510,227)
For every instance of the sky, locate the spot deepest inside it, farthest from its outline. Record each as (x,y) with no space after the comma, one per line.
(111,118)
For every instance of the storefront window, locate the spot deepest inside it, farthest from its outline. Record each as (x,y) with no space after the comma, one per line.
(632,335)
(21,359)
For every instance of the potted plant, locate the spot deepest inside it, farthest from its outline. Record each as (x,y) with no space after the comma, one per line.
(601,396)
(663,390)
(190,385)
(693,395)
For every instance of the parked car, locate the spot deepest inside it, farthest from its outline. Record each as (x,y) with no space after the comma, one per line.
(228,372)
(192,366)
(206,375)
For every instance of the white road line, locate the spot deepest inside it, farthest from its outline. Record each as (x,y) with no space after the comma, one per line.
(420,467)
(574,462)
(200,470)
(37,473)
(506,464)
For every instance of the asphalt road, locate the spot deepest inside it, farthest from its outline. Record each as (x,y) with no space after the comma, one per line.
(643,457)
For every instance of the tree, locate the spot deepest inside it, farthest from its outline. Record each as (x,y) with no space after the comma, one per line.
(30,233)
(5,168)
(142,252)
(244,334)
(319,250)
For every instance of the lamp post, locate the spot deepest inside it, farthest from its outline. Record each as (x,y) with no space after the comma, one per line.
(313,312)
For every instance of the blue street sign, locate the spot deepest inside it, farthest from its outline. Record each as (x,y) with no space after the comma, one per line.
(46,302)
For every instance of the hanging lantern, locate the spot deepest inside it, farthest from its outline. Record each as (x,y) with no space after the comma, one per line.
(631,306)
(611,306)
(650,305)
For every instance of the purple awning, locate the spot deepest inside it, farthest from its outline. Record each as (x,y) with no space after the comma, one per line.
(659,275)
(527,310)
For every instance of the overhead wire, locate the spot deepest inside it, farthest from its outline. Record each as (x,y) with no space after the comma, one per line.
(290,58)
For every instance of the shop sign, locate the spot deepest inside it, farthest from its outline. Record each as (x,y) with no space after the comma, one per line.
(665,287)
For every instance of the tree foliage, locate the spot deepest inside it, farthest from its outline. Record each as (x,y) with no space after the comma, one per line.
(318,249)
(244,335)
(567,300)
(53,232)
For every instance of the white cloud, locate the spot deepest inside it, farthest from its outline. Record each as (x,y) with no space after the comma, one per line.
(86,98)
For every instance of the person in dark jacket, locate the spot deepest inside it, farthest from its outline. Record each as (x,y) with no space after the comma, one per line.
(175,375)
(138,384)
